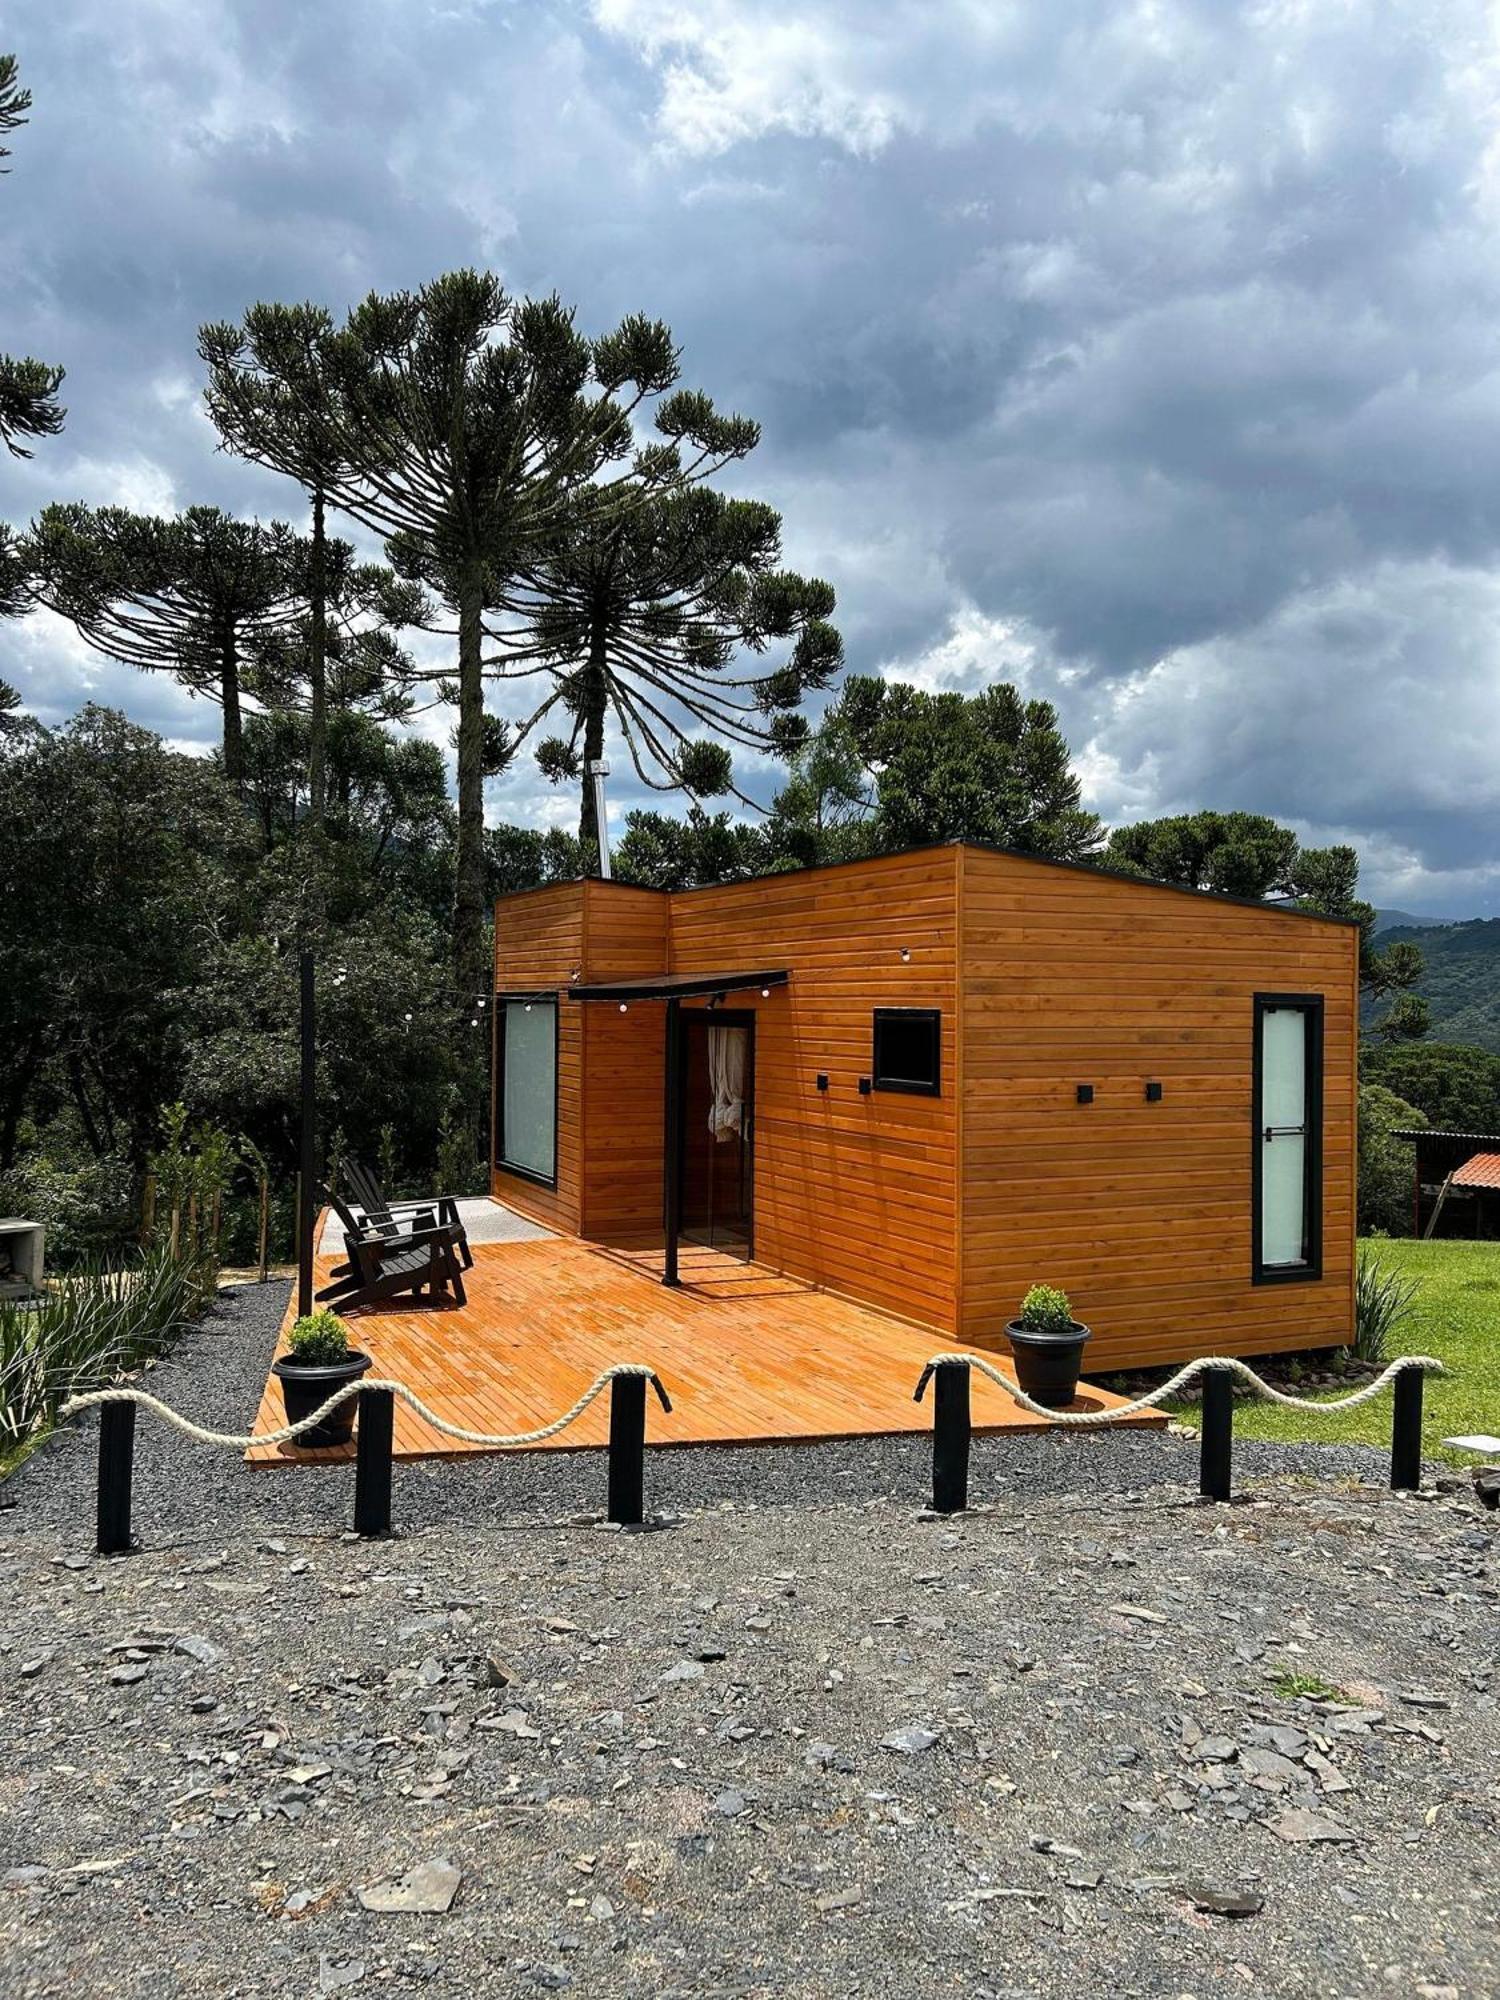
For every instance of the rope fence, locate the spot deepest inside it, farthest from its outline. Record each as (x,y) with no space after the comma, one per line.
(289,1433)
(374,1443)
(951,1421)
(626,1382)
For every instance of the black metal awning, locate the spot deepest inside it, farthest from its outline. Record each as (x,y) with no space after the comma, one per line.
(679,986)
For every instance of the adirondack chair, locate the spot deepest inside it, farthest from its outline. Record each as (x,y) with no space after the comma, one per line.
(391,1263)
(369,1199)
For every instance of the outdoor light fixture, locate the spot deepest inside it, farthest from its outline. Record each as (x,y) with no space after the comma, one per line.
(527,1008)
(1153,1093)
(575,975)
(765,993)
(624,1007)
(906,954)
(1085,1093)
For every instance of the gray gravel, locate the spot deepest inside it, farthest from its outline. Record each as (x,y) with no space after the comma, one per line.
(798,1742)
(183,1491)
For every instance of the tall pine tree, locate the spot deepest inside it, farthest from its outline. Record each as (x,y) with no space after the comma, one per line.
(28,389)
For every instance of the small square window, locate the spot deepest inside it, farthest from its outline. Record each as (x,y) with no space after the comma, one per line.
(908,1049)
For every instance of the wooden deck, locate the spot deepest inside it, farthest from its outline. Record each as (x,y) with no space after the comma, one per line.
(747,1356)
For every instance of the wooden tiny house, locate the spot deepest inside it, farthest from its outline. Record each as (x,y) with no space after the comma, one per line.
(929,1080)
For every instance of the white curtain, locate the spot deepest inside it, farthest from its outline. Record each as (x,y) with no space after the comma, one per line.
(726,1076)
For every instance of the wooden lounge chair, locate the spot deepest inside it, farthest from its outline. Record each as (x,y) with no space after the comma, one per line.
(389,1265)
(397,1216)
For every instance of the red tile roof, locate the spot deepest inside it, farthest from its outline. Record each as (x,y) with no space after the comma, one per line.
(1481,1171)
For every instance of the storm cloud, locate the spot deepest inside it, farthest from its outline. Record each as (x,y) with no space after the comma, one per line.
(1146,354)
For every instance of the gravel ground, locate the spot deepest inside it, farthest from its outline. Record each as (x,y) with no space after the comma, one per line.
(797,1741)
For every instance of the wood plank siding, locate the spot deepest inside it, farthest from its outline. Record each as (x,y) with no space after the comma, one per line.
(1140,1211)
(855,1192)
(944,1209)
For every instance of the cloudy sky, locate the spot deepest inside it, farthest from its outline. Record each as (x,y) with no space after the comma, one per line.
(1146,352)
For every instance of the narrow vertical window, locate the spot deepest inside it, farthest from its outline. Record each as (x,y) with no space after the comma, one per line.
(526,1085)
(1287,1144)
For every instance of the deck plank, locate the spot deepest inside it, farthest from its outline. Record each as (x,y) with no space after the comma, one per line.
(748,1355)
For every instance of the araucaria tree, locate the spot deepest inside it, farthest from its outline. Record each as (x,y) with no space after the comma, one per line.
(190,596)
(268,395)
(466,426)
(640,613)
(28,389)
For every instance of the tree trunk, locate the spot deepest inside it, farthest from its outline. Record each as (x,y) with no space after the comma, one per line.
(595,707)
(317,669)
(229,694)
(468,887)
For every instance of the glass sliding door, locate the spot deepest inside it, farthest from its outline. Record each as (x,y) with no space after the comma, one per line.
(1287,1158)
(526,1086)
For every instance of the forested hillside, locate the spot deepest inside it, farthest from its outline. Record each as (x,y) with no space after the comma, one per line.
(1460,978)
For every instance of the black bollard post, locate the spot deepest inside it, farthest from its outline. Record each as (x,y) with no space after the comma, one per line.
(950,1438)
(372,1462)
(1218,1433)
(1406,1432)
(627,1450)
(116,1461)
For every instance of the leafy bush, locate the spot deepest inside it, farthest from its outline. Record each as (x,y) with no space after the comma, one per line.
(319,1340)
(1385,1163)
(98,1323)
(1046,1310)
(1382,1300)
(86,1205)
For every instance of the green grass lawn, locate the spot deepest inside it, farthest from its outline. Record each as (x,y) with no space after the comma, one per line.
(1455,1316)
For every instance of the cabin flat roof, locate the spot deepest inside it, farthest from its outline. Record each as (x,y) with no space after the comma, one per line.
(932,847)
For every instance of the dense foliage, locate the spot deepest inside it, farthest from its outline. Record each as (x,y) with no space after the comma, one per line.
(151,957)
(1455,1087)
(1385,1163)
(1460,979)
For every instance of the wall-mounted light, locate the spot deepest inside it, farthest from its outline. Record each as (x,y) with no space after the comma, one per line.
(527,1008)
(822,1080)
(575,975)
(1153,1093)
(906,954)
(865,1086)
(765,993)
(624,1007)
(1084,1093)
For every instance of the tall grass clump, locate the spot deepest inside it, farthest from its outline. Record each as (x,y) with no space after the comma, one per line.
(99,1323)
(1382,1300)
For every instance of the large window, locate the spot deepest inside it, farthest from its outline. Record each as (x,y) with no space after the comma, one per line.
(526,1085)
(1287,1145)
(908,1046)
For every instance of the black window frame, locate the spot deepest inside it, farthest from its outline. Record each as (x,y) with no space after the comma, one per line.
(1310,1269)
(504,1001)
(908,1086)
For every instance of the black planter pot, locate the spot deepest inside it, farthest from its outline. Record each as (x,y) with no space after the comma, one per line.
(1048,1364)
(306,1387)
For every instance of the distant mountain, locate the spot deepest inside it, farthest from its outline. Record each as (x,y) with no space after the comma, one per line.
(1461,980)
(1391,920)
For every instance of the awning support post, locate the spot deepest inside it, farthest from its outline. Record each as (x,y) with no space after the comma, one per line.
(672,1145)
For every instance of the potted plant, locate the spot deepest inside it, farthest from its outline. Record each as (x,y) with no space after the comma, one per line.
(318,1361)
(1047,1343)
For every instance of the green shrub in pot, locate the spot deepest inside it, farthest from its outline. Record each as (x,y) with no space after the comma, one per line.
(1047,1343)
